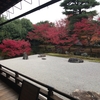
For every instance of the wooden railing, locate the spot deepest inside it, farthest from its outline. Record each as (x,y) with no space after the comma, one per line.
(15,79)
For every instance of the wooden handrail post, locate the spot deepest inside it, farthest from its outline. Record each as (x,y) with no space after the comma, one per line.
(50,93)
(16,76)
(0,68)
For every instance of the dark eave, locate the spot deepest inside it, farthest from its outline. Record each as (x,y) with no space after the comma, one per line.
(7,4)
(31,11)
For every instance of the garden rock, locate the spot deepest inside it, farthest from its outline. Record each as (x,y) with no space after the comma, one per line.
(66,52)
(42,55)
(75,60)
(85,95)
(43,58)
(84,54)
(25,56)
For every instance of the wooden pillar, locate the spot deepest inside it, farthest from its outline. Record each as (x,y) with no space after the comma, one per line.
(50,93)
(16,76)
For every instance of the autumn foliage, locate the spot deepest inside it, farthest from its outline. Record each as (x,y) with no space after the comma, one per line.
(86,30)
(60,35)
(39,32)
(12,48)
(56,35)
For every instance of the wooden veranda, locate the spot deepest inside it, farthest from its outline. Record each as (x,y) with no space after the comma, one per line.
(6,92)
(11,84)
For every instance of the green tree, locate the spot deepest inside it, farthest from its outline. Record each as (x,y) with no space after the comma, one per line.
(2,19)
(26,27)
(77,9)
(17,29)
(11,31)
(26,24)
(44,22)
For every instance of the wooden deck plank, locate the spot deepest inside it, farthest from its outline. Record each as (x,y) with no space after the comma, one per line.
(7,93)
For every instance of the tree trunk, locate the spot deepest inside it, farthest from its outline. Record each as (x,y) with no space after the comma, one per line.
(90,49)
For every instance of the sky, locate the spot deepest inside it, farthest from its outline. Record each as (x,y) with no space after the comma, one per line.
(51,13)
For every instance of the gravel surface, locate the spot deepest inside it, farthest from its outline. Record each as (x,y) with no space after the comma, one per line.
(58,72)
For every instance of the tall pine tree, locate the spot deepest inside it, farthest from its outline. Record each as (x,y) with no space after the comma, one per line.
(77,9)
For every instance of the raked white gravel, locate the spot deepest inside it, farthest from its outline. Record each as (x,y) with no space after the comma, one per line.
(58,72)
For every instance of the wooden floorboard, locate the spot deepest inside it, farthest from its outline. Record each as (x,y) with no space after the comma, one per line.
(7,93)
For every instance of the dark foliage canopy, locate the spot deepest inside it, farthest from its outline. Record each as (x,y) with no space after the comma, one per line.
(77,6)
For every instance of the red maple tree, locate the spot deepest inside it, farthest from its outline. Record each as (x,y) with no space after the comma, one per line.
(13,48)
(56,34)
(86,30)
(39,32)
